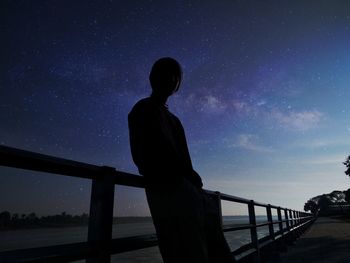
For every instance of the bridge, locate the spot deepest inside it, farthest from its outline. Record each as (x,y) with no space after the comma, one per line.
(99,246)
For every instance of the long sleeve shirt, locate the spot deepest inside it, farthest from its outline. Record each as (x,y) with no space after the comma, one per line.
(158,145)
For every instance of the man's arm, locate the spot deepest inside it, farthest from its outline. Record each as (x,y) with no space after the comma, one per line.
(151,152)
(191,174)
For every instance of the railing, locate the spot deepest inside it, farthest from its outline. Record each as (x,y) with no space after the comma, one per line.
(100,245)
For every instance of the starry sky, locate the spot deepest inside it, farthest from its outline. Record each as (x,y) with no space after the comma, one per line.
(264,98)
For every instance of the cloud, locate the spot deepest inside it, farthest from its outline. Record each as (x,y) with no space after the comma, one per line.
(207,104)
(248,142)
(212,104)
(257,109)
(299,121)
(241,107)
(261,103)
(292,120)
(321,143)
(331,159)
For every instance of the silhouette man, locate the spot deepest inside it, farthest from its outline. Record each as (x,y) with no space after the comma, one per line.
(173,189)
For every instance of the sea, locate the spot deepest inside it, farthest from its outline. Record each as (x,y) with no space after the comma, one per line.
(38,237)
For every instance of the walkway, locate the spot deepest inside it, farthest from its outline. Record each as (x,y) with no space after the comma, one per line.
(328,241)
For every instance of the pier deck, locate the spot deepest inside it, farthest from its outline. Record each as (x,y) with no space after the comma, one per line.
(328,240)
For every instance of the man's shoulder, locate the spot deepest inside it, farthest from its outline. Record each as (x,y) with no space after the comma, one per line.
(141,105)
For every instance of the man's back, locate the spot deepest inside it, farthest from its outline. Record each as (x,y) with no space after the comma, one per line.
(158,144)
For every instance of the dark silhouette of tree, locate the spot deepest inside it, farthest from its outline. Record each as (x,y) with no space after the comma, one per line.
(347,195)
(347,164)
(32,216)
(15,217)
(32,220)
(5,219)
(327,203)
(311,205)
(337,197)
(324,202)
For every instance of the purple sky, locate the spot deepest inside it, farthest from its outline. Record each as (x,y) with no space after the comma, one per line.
(263,99)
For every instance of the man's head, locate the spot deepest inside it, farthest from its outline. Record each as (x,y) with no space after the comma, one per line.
(165,76)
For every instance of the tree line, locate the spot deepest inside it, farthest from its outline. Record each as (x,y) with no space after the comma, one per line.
(337,201)
(14,221)
(323,204)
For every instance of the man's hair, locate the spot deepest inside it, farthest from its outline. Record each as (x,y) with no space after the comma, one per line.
(163,72)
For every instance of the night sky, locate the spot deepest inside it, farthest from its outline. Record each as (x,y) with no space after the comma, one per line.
(264,98)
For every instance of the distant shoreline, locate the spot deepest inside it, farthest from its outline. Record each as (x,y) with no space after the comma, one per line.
(36,224)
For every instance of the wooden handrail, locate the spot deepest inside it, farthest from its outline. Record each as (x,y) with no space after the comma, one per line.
(100,244)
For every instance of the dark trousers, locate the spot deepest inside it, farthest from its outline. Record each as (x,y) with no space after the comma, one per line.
(185,231)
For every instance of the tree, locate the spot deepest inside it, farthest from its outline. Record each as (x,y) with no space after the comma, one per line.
(347,195)
(347,165)
(337,197)
(311,206)
(324,202)
(32,216)
(5,218)
(15,218)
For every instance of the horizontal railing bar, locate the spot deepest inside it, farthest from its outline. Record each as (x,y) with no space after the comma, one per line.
(300,225)
(58,253)
(228,228)
(281,221)
(233,227)
(241,200)
(247,226)
(305,217)
(127,179)
(263,224)
(234,199)
(210,192)
(22,159)
(261,204)
(126,244)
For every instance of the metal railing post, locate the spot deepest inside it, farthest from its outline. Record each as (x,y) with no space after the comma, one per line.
(280,224)
(101,217)
(253,229)
(291,218)
(287,219)
(218,195)
(298,216)
(269,219)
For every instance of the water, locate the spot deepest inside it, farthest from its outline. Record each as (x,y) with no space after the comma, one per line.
(29,238)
